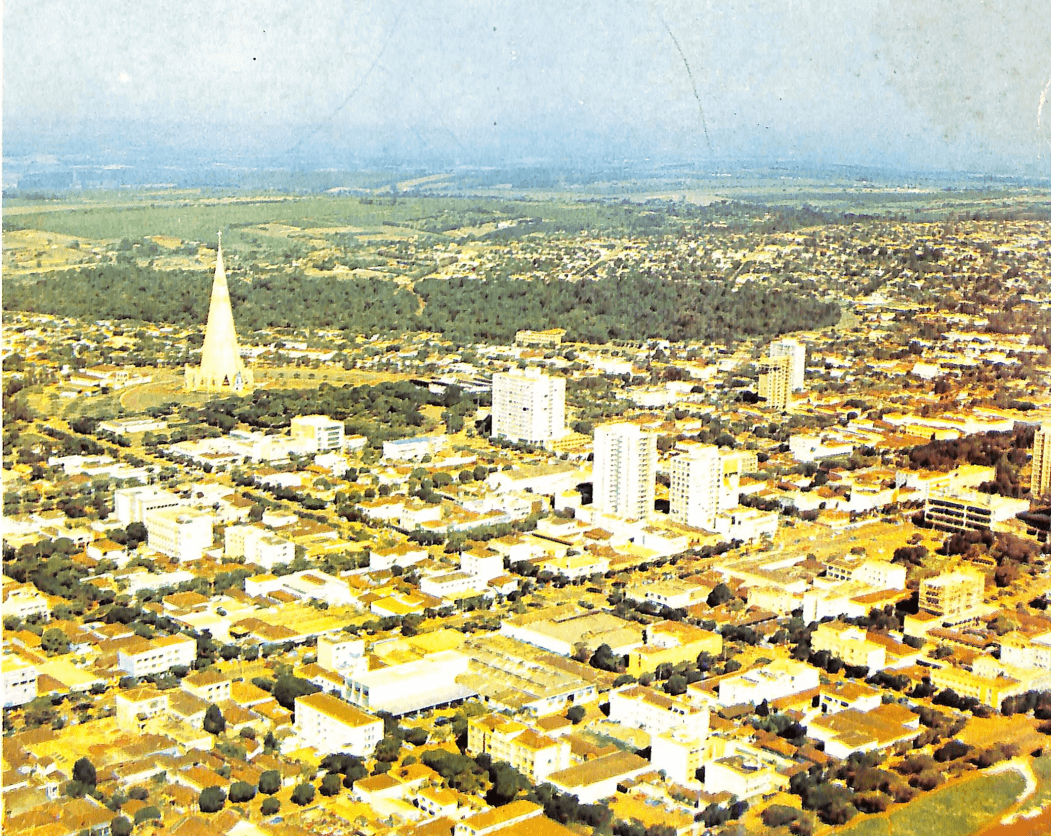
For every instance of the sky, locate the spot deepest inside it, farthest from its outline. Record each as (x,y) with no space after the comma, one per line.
(956,85)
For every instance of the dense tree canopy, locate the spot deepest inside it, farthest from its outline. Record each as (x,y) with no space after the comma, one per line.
(628,306)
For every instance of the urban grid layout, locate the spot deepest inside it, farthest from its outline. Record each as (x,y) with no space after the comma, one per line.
(525,419)
(740,571)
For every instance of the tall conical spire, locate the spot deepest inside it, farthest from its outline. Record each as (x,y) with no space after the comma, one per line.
(222,369)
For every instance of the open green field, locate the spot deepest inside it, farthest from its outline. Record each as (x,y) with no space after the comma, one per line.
(198,220)
(961,809)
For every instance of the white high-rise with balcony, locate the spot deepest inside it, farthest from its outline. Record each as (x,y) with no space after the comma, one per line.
(795,351)
(696,485)
(625,470)
(529,406)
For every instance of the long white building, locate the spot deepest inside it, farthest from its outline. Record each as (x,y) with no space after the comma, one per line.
(132,504)
(624,470)
(529,406)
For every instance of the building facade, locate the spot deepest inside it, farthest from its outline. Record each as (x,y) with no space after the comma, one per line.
(529,406)
(180,533)
(775,381)
(318,433)
(624,471)
(328,724)
(696,486)
(149,656)
(1040,483)
(795,351)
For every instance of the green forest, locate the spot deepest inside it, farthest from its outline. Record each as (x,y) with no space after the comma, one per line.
(635,306)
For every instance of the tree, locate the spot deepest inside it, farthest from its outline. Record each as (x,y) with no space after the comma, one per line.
(54,642)
(387,749)
(270,782)
(303,794)
(331,784)
(211,799)
(147,814)
(576,714)
(269,806)
(120,826)
(214,722)
(719,595)
(676,685)
(84,772)
(241,791)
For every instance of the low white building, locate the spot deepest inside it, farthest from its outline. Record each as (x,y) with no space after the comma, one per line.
(413,448)
(413,686)
(339,652)
(780,678)
(328,724)
(746,524)
(258,545)
(19,681)
(678,755)
(150,656)
(656,713)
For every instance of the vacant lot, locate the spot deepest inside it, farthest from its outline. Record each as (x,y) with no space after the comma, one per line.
(961,809)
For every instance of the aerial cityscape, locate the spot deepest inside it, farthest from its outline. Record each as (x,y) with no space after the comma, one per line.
(368,472)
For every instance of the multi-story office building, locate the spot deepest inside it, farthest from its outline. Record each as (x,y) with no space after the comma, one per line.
(529,406)
(257,544)
(181,533)
(328,724)
(1041,480)
(318,432)
(132,504)
(625,470)
(149,656)
(19,681)
(775,381)
(696,486)
(953,596)
(795,351)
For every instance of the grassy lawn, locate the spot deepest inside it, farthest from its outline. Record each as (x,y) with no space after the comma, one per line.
(959,810)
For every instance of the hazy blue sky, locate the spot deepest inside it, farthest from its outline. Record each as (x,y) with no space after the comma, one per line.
(927,84)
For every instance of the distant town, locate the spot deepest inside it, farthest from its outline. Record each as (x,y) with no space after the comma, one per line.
(389,513)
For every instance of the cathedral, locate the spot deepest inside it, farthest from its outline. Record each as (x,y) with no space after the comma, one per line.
(222,369)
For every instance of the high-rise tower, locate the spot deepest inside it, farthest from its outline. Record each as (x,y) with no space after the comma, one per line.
(624,471)
(1041,481)
(221,369)
(529,406)
(795,350)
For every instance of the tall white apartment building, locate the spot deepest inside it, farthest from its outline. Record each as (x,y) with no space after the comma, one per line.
(1041,481)
(132,504)
(624,470)
(696,485)
(318,432)
(257,544)
(775,381)
(181,533)
(529,406)
(796,352)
